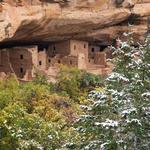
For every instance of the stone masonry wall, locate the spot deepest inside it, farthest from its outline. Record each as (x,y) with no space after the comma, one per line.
(80,49)
(62,48)
(100,58)
(42,60)
(4,61)
(92,50)
(77,47)
(70,61)
(22,61)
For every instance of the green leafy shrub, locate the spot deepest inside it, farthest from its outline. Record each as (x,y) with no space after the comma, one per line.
(90,81)
(39,115)
(73,82)
(32,117)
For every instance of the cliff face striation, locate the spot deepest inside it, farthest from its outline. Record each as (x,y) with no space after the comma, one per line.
(55,20)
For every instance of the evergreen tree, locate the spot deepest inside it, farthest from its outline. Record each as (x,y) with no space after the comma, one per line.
(119,117)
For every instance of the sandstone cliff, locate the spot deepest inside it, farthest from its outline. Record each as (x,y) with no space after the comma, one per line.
(54,20)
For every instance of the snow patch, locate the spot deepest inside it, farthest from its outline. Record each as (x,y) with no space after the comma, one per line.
(107,123)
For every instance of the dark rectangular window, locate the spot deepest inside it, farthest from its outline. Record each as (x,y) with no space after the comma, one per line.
(84,45)
(74,46)
(93,50)
(49,60)
(21,70)
(54,48)
(40,63)
(21,56)
(70,62)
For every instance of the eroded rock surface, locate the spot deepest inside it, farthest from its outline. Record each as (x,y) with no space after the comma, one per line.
(50,20)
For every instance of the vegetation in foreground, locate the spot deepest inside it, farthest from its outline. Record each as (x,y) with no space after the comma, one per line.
(39,115)
(119,117)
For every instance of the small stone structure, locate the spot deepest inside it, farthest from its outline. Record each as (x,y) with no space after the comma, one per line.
(71,52)
(20,61)
(23,61)
(96,55)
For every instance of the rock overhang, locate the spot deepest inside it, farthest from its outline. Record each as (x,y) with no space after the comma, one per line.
(49,23)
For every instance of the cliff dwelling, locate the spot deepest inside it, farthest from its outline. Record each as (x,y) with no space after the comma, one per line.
(25,61)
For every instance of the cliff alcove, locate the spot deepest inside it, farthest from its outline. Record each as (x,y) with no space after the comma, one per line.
(48,21)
